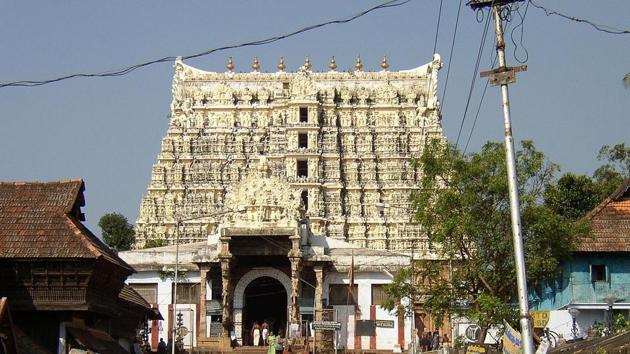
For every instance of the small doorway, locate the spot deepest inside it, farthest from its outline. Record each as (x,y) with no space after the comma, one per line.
(265,301)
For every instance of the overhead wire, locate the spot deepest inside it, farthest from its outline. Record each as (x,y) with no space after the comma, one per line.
(493,60)
(521,25)
(475,72)
(129,69)
(450,55)
(437,28)
(597,26)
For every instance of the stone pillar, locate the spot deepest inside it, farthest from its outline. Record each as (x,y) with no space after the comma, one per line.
(202,331)
(226,295)
(226,259)
(319,291)
(296,287)
(295,256)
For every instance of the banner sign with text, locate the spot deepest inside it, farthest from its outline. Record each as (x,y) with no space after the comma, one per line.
(540,318)
(327,325)
(511,340)
(385,323)
(473,348)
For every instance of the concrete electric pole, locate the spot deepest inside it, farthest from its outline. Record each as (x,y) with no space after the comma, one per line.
(504,75)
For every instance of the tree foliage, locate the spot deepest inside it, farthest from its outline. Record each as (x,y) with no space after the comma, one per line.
(117,232)
(615,170)
(156,242)
(573,195)
(462,204)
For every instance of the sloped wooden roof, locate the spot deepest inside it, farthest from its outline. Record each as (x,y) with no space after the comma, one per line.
(43,220)
(610,224)
(131,296)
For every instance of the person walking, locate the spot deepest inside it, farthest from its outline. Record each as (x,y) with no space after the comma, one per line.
(161,348)
(271,339)
(256,334)
(265,332)
(435,341)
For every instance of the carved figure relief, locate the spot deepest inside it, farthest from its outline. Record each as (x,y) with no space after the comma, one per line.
(219,119)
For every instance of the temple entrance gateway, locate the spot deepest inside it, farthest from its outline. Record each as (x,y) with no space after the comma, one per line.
(262,293)
(265,300)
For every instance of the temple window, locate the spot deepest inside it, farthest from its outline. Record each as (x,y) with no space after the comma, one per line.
(378,294)
(302,168)
(187,293)
(303,140)
(147,291)
(303,114)
(304,197)
(338,294)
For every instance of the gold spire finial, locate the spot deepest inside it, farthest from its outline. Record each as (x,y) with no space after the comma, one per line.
(230,65)
(281,66)
(359,64)
(256,64)
(333,64)
(307,63)
(384,63)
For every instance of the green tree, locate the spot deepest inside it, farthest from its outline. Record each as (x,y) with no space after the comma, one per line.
(462,204)
(117,232)
(615,170)
(573,196)
(156,242)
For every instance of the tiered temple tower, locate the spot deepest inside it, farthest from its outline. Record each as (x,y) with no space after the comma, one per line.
(344,140)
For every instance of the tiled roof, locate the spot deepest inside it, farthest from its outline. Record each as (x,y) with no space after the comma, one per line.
(42,220)
(610,224)
(129,295)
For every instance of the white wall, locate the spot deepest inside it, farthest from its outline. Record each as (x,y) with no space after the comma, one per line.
(386,338)
(164,295)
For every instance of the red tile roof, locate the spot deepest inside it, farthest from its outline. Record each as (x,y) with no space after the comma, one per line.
(610,224)
(42,220)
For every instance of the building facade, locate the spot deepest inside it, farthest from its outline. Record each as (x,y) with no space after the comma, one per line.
(265,265)
(596,281)
(65,288)
(344,140)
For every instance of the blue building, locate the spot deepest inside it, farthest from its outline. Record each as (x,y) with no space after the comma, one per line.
(597,278)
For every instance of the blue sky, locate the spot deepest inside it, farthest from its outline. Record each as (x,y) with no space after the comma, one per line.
(108,130)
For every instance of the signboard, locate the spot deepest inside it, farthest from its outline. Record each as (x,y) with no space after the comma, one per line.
(294,331)
(385,323)
(364,328)
(473,348)
(214,307)
(511,340)
(540,318)
(327,325)
(182,331)
(216,329)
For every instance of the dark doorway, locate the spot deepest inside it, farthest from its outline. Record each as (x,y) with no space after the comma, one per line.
(265,300)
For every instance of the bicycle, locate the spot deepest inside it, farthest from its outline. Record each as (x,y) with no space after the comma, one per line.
(550,337)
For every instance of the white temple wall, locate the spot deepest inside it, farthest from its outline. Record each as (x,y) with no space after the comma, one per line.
(164,293)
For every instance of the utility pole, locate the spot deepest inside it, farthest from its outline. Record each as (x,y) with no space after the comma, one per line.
(504,75)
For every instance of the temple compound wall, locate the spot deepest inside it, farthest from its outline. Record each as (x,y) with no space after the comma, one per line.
(345,141)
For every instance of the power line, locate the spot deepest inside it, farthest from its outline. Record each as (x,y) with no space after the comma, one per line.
(483,95)
(521,25)
(450,55)
(597,26)
(128,69)
(475,71)
(477,114)
(437,28)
